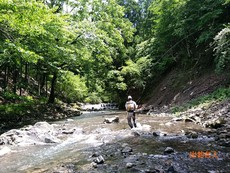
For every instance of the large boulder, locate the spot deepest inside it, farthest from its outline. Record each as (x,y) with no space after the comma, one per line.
(40,133)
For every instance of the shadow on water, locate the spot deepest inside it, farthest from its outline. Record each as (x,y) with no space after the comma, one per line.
(109,139)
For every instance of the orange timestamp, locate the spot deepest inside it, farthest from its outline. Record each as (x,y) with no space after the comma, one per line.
(203,154)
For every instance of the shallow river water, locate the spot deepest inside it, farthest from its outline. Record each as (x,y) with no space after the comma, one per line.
(91,134)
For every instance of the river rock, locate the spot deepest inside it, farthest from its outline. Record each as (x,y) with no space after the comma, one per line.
(111,120)
(4,150)
(94,165)
(171,170)
(71,131)
(127,150)
(215,123)
(99,160)
(50,140)
(157,133)
(136,133)
(169,150)
(40,133)
(43,127)
(96,154)
(129,165)
(70,120)
(191,134)
(124,145)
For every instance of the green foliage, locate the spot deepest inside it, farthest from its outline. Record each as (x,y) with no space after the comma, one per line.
(103,32)
(71,88)
(93,98)
(15,108)
(106,48)
(116,81)
(218,95)
(136,73)
(9,96)
(222,49)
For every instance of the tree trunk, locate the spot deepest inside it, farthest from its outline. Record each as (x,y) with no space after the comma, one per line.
(46,86)
(26,72)
(20,76)
(15,75)
(43,78)
(52,92)
(6,77)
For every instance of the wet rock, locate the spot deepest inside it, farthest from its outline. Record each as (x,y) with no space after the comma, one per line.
(217,138)
(152,170)
(50,140)
(169,150)
(224,143)
(67,132)
(99,160)
(136,134)
(70,120)
(129,165)
(191,134)
(222,131)
(177,119)
(127,150)
(94,165)
(4,150)
(228,135)
(40,133)
(96,154)
(43,127)
(194,135)
(171,170)
(215,123)
(157,169)
(223,135)
(212,171)
(156,133)
(124,145)
(169,124)
(66,167)
(111,120)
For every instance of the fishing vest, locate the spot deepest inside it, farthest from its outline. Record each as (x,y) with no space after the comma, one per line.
(130,106)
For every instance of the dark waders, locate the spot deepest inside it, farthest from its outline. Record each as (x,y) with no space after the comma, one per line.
(130,117)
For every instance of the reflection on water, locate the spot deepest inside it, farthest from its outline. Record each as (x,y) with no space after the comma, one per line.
(90,131)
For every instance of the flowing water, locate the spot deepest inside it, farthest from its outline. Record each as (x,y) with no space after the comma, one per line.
(90,132)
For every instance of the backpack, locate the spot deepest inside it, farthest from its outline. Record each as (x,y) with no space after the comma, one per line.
(130,106)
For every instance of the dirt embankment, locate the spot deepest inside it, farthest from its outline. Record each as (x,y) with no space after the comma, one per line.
(179,87)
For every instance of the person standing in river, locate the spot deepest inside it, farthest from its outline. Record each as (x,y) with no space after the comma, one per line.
(131,106)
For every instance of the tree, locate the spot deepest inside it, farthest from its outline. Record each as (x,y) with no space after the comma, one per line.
(36,35)
(103,31)
(222,49)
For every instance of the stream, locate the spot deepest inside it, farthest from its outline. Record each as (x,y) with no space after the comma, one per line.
(156,145)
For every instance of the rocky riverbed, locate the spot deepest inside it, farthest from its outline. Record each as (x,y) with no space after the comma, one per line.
(103,142)
(215,116)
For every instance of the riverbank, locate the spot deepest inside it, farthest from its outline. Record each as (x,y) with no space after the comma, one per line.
(17,116)
(215,116)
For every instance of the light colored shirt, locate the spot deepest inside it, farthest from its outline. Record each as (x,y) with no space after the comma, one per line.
(130,105)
